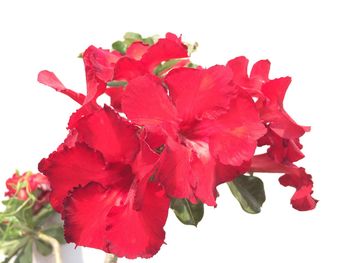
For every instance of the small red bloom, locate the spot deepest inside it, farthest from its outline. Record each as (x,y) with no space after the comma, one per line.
(20,185)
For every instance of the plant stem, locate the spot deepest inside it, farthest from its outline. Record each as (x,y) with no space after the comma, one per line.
(3,215)
(55,246)
(110,258)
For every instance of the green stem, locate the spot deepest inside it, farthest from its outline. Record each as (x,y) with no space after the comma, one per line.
(16,211)
(55,246)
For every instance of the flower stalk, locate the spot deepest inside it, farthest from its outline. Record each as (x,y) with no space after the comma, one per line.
(55,246)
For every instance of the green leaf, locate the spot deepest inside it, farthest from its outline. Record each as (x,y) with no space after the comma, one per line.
(26,215)
(250,193)
(57,233)
(186,212)
(12,205)
(42,247)
(12,247)
(119,46)
(148,40)
(192,65)
(132,36)
(44,213)
(117,83)
(26,255)
(165,66)
(22,210)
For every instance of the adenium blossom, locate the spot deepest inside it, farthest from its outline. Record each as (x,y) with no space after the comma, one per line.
(103,180)
(171,131)
(203,121)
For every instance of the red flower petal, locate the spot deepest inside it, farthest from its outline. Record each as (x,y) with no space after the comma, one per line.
(296,178)
(84,111)
(128,69)
(236,134)
(239,67)
(100,63)
(155,140)
(165,49)
(263,163)
(146,103)
(107,132)
(227,173)
(136,50)
(145,162)
(203,170)
(99,68)
(77,166)
(302,199)
(116,94)
(273,112)
(38,181)
(179,64)
(69,141)
(302,182)
(258,75)
(293,176)
(260,71)
(175,172)
(85,214)
(49,78)
(282,150)
(276,89)
(12,184)
(282,124)
(199,93)
(139,233)
(143,167)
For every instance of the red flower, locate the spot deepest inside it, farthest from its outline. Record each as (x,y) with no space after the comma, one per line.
(101,186)
(204,122)
(171,132)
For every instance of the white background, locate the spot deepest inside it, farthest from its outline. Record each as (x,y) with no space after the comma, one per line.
(308,40)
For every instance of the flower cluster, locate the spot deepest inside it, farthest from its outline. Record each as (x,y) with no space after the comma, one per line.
(173,131)
(19,186)
(28,218)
